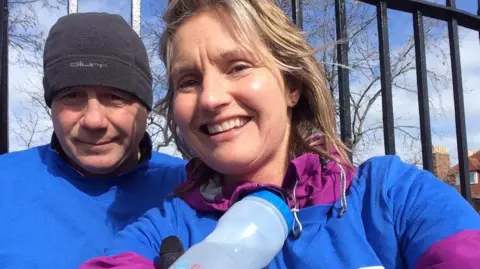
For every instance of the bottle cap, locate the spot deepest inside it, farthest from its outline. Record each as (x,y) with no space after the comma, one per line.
(279,203)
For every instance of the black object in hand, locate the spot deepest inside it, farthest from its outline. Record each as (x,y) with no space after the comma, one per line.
(170,251)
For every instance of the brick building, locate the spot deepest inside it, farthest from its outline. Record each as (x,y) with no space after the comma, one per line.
(443,170)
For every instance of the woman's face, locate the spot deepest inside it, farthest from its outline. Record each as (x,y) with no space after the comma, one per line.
(233,113)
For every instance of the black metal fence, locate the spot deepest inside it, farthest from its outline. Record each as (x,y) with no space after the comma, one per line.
(3,76)
(418,8)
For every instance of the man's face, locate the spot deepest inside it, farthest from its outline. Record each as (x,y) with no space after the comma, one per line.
(99,128)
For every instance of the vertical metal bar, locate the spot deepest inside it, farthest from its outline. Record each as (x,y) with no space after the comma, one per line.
(459,105)
(294,7)
(422,86)
(478,13)
(297,13)
(72,6)
(343,74)
(386,78)
(4,77)
(137,16)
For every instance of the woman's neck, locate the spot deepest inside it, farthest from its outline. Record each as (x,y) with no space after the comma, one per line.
(271,173)
(269,170)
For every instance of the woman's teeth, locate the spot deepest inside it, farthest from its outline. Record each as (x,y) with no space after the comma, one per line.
(226,125)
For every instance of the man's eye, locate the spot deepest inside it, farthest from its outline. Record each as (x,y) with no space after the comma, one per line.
(114,97)
(72,95)
(73,98)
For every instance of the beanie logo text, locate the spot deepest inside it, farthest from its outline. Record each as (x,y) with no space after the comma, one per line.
(82,64)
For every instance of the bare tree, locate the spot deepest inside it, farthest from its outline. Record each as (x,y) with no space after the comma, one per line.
(152,31)
(31,129)
(364,58)
(319,24)
(33,126)
(25,35)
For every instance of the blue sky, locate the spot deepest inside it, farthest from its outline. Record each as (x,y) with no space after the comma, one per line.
(404,105)
(470,49)
(467,5)
(123,6)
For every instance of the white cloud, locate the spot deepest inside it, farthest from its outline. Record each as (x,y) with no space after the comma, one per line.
(30,78)
(470,61)
(442,122)
(405,104)
(121,7)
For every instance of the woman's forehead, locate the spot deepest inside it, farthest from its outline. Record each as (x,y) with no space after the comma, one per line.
(207,34)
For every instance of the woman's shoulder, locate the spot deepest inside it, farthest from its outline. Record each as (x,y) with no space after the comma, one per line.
(384,162)
(426,213)
(175,207)
(396,181)
(183,215)
(407,189)
(389,170)
(171,214)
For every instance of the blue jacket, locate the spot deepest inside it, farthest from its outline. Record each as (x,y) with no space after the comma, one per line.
(52,217)
(398,217)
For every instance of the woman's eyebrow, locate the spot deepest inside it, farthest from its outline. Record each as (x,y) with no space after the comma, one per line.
(181,66)
(231,53)
(235,53)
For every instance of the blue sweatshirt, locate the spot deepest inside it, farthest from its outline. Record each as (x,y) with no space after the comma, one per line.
(52,217)
(398,217)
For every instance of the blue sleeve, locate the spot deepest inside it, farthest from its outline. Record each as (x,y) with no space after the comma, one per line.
(144,237)
(427,212)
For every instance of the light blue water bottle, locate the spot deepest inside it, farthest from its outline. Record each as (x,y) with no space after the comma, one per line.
(247,236)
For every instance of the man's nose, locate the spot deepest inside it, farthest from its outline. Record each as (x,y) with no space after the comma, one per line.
(94,117)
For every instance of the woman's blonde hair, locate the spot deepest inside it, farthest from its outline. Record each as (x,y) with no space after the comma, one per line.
(315,111)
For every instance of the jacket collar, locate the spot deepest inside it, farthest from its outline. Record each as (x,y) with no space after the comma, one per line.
(309,181)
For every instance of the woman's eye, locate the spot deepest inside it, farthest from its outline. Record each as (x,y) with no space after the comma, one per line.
(187,83)
(239,68)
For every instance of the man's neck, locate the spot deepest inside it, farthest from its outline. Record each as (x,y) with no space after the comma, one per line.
(124,165)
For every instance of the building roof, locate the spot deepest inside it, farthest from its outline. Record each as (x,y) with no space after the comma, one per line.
(473,164)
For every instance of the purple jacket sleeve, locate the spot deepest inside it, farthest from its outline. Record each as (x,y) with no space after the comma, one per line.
(436,227)
(126,260)
(461,250)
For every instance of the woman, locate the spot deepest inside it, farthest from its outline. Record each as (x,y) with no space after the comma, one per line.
(248,102)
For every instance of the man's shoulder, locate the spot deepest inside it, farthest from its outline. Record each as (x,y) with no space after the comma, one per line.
(164,160)
(165,166)
(26,156)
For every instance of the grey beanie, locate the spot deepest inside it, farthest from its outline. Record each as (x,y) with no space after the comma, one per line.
(96,49)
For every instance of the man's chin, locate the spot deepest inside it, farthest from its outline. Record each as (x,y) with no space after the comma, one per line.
(98,171)
(98,166)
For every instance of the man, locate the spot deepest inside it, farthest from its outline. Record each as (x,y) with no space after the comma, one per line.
(62,203)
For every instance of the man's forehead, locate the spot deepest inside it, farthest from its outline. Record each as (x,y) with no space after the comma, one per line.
(94,89)
(91,88)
